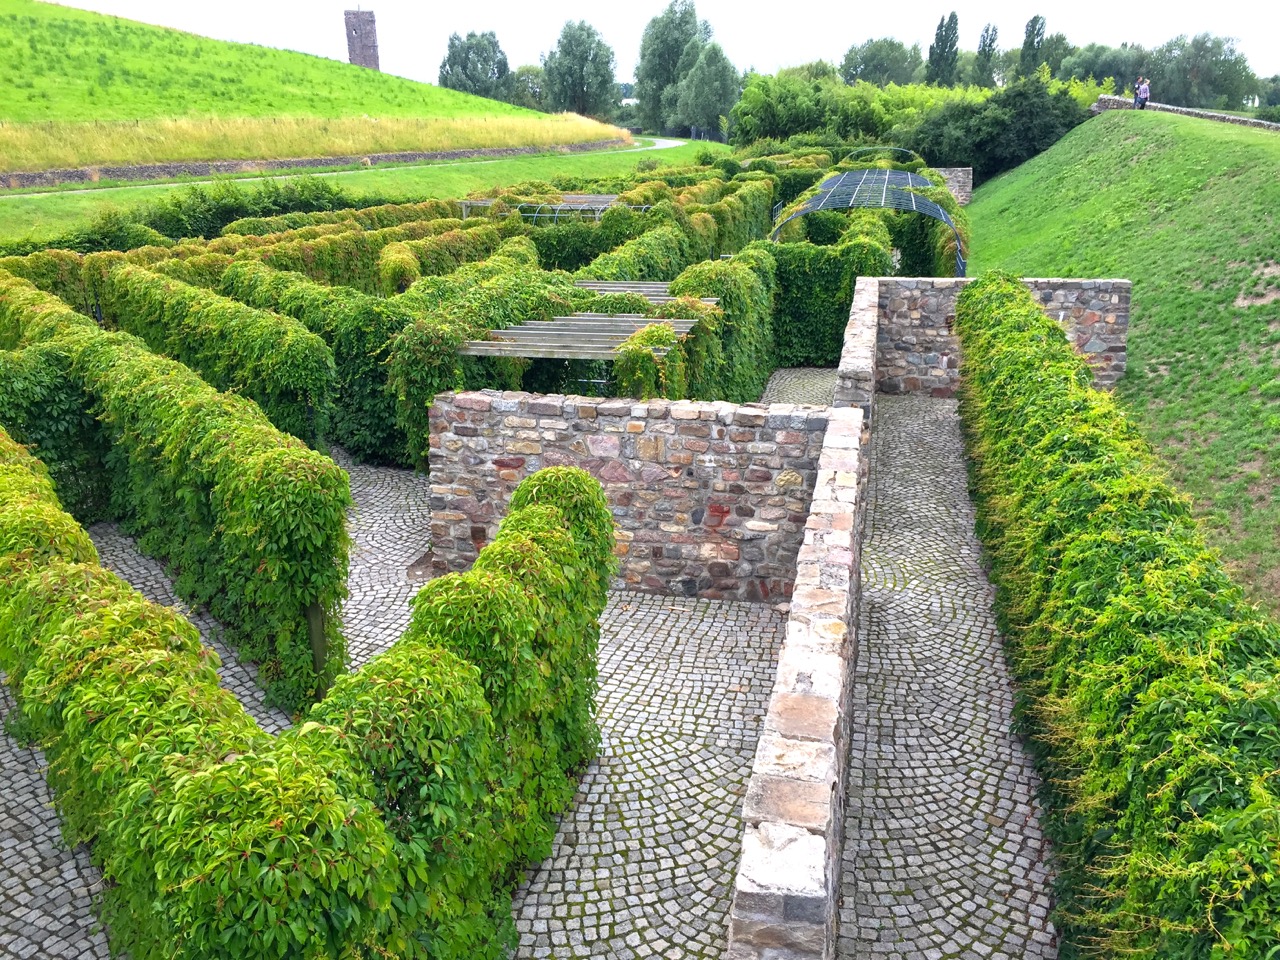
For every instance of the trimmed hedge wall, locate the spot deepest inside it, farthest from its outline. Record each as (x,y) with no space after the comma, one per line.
(401,264)
(367,218)
(271,359)
(1148,683)
(659,254)
(815,289)
(358,328)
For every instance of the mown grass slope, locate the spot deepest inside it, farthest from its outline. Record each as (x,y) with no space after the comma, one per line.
(1188,210)
(76,84)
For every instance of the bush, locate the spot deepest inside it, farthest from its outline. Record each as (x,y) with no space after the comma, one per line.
(1266,114)
(659,254)
(1147,682)
(358,329)
(273,360)
(642,371)
(367,218)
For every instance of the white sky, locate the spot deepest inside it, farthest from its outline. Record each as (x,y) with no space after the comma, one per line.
(413,34)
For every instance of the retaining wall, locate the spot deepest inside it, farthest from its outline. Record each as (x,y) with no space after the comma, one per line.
(1106,102)
(899,337)
(710,499)
(787,890)
(959,182)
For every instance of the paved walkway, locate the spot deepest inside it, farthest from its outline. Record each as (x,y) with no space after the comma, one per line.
(644,863)
(816,385)
(944,857)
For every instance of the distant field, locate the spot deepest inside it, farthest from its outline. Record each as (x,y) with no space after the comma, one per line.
(53,213)
(80,88)
(1187,209)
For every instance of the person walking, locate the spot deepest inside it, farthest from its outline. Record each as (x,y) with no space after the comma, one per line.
(1144,93)
(1136,84)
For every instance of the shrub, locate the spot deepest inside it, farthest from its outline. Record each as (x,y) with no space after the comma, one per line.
(358,328)
(32,523)
(641,371)
(659,254)
(274,360)
(1147,682)
(367,218)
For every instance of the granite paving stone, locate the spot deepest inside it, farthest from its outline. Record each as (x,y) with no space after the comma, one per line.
(815,385)
(944,856)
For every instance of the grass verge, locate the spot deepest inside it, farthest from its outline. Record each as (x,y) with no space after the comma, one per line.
(1187,209)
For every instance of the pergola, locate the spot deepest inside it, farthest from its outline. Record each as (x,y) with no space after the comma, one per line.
(574,206)
(876,188)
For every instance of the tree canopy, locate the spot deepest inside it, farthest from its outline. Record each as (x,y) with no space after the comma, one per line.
(882,62)
(665,61)
(944,53)
(709,91)
(579,72)
(476,65)
(1032,42)
(984,64)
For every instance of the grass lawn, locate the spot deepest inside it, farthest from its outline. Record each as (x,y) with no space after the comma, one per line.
(50,214)
(1189,210)
(80,88)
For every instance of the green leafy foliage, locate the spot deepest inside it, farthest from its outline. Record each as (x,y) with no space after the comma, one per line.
(367,218)
(658,254)
(1148,683)
(274,360)
(651,363)
(357,328)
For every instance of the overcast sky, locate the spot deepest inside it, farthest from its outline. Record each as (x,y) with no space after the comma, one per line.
(413,34)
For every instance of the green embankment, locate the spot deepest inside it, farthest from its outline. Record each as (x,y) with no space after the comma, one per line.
(1186,209)
(83,89)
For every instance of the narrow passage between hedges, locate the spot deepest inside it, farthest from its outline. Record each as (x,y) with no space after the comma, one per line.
(944,856)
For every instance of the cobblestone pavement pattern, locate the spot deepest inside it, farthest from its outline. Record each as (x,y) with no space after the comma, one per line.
(944,857)
(816,385)
(643,863)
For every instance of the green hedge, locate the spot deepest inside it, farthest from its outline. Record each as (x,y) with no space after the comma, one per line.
(401,264)
(367,218)
(271,359)
(358,329)
(659,254)
(742,214)
(733,359)
(1147,682)
(640,371)
(815,290)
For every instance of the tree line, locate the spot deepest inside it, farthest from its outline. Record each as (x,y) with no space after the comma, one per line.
(685,84)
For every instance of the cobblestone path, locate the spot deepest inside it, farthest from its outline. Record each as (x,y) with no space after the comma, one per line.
(944,857)
(816,385)
(643,863)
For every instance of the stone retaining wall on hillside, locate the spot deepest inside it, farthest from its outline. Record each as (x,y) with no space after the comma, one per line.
(959,182)
(207,168)
(1106,102)
(899,337)
(787,891)
(710,499)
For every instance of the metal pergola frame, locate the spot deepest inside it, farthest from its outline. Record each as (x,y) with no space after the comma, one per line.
(862,150)
(877,188)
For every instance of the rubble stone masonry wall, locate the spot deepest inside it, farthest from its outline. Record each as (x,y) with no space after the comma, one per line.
(710,499)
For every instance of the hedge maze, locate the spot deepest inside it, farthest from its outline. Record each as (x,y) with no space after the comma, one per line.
(189,388)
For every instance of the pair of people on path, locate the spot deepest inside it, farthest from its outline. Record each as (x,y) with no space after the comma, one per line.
(1141,93)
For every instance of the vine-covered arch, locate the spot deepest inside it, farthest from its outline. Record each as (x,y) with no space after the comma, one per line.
(891,189)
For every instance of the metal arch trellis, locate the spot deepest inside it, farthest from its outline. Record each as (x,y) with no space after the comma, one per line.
(863,150)
(877,188)
(570,211)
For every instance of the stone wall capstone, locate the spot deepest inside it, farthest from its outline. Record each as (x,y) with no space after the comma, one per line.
(787,890)
(709,499)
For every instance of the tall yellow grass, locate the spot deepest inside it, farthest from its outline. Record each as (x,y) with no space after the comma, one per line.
(49,146)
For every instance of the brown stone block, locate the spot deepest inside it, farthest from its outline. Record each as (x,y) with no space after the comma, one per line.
(473,401)
(803,803)
(803,717)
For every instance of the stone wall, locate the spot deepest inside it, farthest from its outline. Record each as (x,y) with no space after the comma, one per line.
(959,182)
(787,890)
(1106,102)
(362,39)
(899,335)
(710,499)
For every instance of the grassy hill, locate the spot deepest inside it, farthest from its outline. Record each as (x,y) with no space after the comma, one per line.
(1189,210)
(71,78)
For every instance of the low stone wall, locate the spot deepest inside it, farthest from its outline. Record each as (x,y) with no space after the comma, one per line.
(1106,102)
(710,499)
(959,182)
(787,890)
(204,168)
(899,334)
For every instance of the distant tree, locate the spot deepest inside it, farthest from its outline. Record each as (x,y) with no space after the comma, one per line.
(662,47)
(944,52)
(579,72)
(881,62)
(1205,71)
(1054,51)
(1032,42)
(708,92)
(815,71)
(1269,93)
(476,65)
(1100,61)
(984,63)
(528,87)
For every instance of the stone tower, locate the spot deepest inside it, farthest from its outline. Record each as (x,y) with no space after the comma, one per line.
(362,39)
